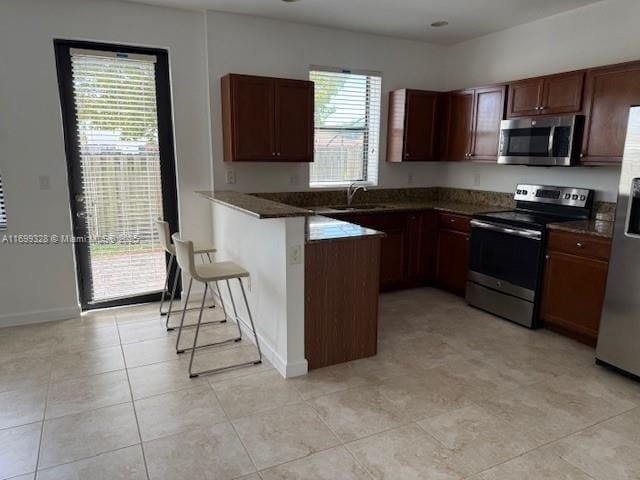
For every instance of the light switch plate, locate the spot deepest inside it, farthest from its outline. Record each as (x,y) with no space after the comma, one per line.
(44,182)
(295,254)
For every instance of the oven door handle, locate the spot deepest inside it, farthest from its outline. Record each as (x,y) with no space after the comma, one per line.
(520,232)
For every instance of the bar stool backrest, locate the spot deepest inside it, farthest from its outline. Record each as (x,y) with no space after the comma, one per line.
(185,255)
(165,235)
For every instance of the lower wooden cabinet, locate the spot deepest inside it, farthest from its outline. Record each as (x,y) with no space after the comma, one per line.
(575,278)
(420,248)
(452,253)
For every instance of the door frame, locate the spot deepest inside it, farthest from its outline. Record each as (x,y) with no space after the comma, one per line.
(167,158)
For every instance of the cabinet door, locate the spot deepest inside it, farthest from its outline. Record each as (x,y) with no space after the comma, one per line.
(487,115)
(294,120)
(562,93)
(525,97)
(253,118)
(459,131)
(570,303)
(452,262)
(422,233)
(609,92)
(420,124)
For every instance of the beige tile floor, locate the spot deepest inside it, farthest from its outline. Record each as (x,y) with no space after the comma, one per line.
(454,393)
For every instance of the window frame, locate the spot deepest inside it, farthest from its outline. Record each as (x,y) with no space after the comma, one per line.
(367,181)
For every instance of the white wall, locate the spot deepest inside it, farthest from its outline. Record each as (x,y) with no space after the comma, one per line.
(259,46)
(38,282)
(276,287)
(599,34)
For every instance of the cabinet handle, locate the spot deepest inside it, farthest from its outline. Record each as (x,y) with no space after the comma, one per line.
(582,155)
(579,245)
(273,154)
(278,154)
(547,257)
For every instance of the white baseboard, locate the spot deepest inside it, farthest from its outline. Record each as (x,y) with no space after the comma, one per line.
(39,316)
(287,370)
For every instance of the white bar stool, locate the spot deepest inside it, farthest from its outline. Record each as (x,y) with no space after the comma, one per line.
(200,248)
(205,273)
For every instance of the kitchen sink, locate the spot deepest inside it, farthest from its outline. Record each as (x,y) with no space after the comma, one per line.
(364,206)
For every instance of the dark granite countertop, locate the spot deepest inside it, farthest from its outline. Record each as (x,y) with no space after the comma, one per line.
(440,205)
(322,229)
(255,206)
(599,228)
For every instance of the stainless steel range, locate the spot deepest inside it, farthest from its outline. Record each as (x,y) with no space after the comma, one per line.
(506,258)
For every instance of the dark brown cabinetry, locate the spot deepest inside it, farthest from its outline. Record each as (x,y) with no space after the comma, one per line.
(452,252)
(473,123)
(553,94)
(459,121)
(420,248)
(412,126)
(609,92)
(267,119)
(407,252)
(341,304)
(575,277)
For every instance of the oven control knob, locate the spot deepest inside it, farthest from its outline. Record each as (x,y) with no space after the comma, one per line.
(525,192)
(582,198)
(519,192)
(567,196)
(574,197)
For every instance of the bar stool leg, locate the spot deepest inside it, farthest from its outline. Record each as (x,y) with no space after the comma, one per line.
(235,311)
(173,295)
(195,337)
(224,310)
(166,283)
(253,327)
(184,312)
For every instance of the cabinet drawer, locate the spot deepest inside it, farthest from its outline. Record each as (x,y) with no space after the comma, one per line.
(450,221)
(581,245)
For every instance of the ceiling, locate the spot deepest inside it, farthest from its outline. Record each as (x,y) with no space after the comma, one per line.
(398,18)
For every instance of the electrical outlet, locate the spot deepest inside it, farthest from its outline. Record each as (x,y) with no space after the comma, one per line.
(294,180)
(410,178)
(295,254)
(231,177)
(476,180)
(45,182)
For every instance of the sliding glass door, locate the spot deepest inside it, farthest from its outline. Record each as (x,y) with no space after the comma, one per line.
(118,133)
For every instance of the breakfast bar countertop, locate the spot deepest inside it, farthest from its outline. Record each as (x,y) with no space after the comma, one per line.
(254,206)
(322,229)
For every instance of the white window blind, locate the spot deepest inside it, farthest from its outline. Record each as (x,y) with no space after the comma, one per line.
(347,127)
(115,98)
(3,209)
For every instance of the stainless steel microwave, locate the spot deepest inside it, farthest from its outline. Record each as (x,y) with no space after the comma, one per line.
(541,141)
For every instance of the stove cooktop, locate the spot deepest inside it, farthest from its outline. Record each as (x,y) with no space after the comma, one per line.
(523,218)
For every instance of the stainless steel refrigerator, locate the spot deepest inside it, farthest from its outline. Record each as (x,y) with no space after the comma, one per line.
(619,338)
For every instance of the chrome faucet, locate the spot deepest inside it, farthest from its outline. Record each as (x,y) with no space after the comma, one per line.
(352,190)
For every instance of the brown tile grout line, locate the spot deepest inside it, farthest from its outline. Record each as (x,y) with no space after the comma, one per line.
(133,404)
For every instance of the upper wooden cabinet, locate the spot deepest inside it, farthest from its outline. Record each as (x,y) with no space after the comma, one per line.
(459,120)
(488,112)
(473,123)
(552,94)
(412,126)
(609,92)
(267,119)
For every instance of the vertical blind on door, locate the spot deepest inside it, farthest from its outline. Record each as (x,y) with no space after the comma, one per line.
(3,209)
(115,98)
(347,126)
